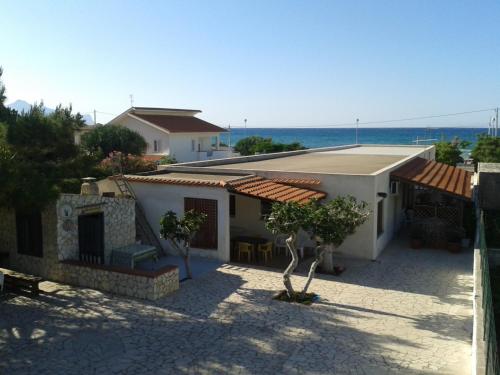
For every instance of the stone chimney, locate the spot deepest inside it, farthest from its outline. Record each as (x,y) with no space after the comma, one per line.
(89,186)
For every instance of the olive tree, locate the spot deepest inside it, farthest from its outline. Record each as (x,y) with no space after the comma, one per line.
(288,218)
(180,232)
(330,224)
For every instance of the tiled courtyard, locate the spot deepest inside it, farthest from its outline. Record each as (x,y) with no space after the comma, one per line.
(408,313)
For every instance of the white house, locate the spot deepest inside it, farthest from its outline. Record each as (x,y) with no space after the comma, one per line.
(174,132)
(235,193)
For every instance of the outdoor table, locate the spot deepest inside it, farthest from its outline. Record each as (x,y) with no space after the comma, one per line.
(131,254)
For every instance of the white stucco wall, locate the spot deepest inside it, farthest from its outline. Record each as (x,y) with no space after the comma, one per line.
(157,199)
(178,145)
(247,218)
(361,244)
(150,134)
(181,145)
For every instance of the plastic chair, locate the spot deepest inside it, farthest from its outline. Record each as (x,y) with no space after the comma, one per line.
(266,249)
(303,241)
(245,248)
(280,244)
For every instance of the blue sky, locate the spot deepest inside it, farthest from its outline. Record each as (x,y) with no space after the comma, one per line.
(277,63)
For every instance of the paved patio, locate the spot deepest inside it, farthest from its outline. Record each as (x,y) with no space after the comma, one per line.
(408,313)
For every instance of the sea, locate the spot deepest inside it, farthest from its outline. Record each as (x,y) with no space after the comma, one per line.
(324,137)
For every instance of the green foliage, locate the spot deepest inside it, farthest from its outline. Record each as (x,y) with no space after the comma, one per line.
(44,155)
(181,230)
(8,168)
(287,218)
(105,139)
(487,150)
(255,144)
(7,115)
(332,222)
(38,155)
(130,164)
(449,152)
(2,90)
(167,159)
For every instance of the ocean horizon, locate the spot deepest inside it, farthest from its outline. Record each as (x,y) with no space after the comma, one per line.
(325,137)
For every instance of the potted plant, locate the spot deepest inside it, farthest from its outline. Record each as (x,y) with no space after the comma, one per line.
(416,237)
(454,238)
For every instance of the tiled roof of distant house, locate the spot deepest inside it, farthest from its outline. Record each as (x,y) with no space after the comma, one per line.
(443,177)
(180,124)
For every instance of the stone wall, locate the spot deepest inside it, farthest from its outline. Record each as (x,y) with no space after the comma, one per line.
(150,285)
(60,232)
(119,222)
(60,248)
(47,265)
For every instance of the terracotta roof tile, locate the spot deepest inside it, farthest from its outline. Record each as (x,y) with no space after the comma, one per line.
(436,175)
(152,157)
(174,181)
(297,181)
(259,187)
(254,186)
(181,124)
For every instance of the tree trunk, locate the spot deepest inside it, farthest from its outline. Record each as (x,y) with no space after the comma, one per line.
(186,256)
(290,243)
(320,251)
(183,251)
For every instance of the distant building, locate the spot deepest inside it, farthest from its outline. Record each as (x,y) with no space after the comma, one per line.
(174,132)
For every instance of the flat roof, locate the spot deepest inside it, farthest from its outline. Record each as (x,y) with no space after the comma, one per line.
(381,150)
(354,160)
(320,162)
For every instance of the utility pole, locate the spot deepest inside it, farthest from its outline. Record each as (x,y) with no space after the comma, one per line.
(131,100)
(229,140)
(245,128)
(496,123)
(357,126)
(95,117)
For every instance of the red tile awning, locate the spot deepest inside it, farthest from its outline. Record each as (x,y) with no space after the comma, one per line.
(262,188)
(439,176)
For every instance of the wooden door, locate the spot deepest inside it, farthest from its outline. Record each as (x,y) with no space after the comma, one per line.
(91,238)
(206,238)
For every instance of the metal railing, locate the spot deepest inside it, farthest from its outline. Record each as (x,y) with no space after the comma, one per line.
(489,330)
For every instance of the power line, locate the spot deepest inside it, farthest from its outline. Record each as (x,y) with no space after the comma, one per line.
(428,117)
(408,126)
(349,124)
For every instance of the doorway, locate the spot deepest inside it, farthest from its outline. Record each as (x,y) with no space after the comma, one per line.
(91,238)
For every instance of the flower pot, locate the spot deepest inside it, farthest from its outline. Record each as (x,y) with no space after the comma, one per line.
(454,247)
(416,243)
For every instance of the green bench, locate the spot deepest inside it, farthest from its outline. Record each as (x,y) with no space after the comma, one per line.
(128,256)
(19,280)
